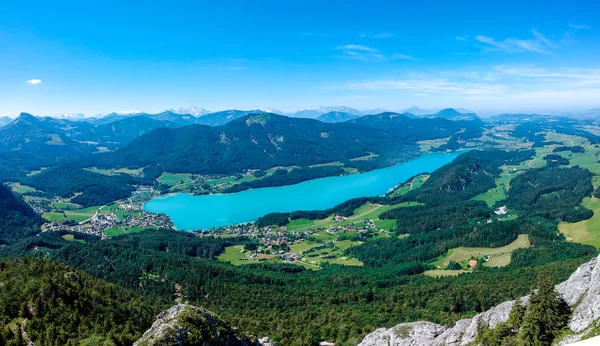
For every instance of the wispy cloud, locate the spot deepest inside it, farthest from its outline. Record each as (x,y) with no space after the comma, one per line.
(403,57)
(437,86)
(501,87)
(540,37)
(366,53)
(356,47)
(538,44)
(562,77)
(34,81)
(461,38)
(579,26)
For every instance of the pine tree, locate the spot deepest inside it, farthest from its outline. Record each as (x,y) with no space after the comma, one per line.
(546,315)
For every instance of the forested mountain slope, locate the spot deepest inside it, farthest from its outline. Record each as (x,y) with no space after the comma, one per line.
(256,141)
(416,129)
(87,188)
(17,219)
(51,304)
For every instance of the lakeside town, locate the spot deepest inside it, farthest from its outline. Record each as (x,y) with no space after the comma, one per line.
(120,217)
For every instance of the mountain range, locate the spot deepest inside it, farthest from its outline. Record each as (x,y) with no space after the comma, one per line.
(336,117)
(256,141)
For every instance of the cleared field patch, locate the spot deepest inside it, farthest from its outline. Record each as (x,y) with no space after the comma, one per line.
(586,231)
(328,164)
(368,211)
(134,172)
(76,215)
(111,232)
(462,254)
(21,189)
(436,273)
(365,158)
(408,186)
(492,196)
(498,260)
(300,246)
(173,179)
(71,237)
(427,145)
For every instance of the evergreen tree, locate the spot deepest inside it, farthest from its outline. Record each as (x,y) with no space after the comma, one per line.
(546,315)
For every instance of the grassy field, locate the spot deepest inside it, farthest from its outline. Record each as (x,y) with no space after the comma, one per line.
(76,215)
(71,237)
(586,231)
(111,232)
(415,183)
(134,172)
(499,256)
(436,273)
(21,189)
(367,211)
(498,193)
(173,179)
(427,145)
(365,158)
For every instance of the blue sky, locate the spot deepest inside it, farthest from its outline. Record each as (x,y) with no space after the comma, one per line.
(103,56)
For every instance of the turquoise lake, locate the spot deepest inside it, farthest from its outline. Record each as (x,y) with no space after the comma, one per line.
(189,212)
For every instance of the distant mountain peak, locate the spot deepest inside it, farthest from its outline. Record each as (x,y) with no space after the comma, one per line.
(193,110)
(70,116)
(420,111)
(343,109)
(449,111)
(26,117)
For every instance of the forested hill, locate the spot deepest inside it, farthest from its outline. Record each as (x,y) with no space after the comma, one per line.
(67,180)
(17,219)
(51,304)
(257,141)
(416,129)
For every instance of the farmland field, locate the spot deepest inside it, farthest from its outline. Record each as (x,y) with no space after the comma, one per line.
(463,254)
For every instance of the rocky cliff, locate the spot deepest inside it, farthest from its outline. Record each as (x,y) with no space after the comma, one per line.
(187,325)
(581,291)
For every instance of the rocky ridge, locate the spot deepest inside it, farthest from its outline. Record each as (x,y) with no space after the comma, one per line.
(581,291)
(188,325)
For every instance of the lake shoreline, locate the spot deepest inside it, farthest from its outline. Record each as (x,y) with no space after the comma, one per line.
(203,212)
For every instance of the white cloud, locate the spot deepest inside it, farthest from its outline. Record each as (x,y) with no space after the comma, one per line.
(538,44)
(461,38)
(426,86)
(365,53)
(34,81)
(403,57)
(540,37)
(579,26)
(356,47)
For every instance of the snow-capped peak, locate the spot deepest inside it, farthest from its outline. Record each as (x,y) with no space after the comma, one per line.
(193,110)
(341,109)
(271,110)
(72,116)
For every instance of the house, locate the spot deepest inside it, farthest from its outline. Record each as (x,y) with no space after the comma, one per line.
(339,218)
(472,263)
(501,211)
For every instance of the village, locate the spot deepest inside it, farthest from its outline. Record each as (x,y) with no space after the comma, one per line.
(121,217)
(310,247)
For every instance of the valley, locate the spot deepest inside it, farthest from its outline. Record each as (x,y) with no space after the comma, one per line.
(373,233)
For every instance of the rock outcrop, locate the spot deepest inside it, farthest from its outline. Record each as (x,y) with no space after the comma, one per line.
(581,291)
(188,325)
